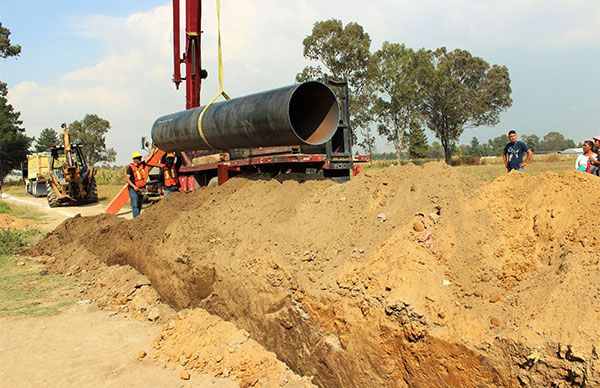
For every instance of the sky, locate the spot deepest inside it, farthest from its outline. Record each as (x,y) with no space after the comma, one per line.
(114,57)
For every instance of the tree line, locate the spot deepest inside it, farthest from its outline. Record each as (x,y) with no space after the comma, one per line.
(90,131)
(550,142)
(400,91)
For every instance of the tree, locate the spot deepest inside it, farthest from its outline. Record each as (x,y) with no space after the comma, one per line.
(417,147)
(475,148)
(48,138)
(91,131)
(436,151)
(555,141)
(532,141)
(343,53)
(13,141)
(7,49)
(461,91)
(397,103)
(343,50)
(495,146)
(367,141)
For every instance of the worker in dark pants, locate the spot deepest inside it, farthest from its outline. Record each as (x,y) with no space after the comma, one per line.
(136,180)
(168,181)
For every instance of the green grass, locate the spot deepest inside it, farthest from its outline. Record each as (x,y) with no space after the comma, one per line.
(22,289)
(24,212)
(17,190)
(110,175)
(12,240)
(106,192)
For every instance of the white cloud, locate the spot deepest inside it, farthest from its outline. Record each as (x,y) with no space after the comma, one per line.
(130,86)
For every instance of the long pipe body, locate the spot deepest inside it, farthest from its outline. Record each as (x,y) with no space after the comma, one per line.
(300,114)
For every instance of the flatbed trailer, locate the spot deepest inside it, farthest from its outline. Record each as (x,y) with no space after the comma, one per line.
(192,177)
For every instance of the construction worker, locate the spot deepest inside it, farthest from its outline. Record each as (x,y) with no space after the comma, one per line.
(136,180)
(168,181)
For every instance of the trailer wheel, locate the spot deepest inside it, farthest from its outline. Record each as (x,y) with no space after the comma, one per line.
(213,182)
(92,195)
(52,198)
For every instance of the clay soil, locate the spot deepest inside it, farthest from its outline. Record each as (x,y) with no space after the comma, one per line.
(7,222)
(405,276)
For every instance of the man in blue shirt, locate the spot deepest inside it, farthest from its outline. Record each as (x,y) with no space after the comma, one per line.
(513,153)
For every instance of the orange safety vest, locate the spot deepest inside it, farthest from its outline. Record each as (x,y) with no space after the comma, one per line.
(171,176)
(139,175)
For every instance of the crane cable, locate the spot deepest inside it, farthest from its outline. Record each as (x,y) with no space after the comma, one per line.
(221,91)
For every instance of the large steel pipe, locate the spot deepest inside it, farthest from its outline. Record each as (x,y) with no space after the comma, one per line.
(305,113)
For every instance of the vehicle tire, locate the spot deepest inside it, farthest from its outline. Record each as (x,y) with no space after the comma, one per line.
(92,195)
(52,198)
(213,182)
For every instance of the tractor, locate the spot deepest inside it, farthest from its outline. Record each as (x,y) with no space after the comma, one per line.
(70,181)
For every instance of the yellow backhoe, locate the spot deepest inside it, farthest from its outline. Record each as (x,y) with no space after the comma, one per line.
(70,180)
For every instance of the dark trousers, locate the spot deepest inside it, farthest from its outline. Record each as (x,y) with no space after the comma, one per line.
(168,190)
(136,202)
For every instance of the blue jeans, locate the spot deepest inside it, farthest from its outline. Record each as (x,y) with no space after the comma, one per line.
(168,190)
(519,169)
(136,202)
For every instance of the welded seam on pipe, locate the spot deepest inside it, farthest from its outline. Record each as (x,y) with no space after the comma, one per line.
(200,131)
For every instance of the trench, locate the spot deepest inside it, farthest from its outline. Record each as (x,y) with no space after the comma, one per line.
(326,337)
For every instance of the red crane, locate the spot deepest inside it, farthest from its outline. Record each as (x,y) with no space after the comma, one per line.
(194,74)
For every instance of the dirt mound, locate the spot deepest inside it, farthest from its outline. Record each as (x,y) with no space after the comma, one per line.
(197,340)
(9,222)
(409,274)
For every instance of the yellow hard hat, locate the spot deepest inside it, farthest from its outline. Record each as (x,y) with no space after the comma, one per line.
(170,155)
(136,155)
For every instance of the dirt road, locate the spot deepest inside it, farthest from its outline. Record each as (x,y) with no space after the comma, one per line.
(84,347)
(55,216)
(81,346)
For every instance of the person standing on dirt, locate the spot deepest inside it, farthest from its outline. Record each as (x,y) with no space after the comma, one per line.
(596,162)
(513,153)
(168,181)
(136,180)
(587,161)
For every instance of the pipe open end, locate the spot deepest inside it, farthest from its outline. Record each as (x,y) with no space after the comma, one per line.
(314,113)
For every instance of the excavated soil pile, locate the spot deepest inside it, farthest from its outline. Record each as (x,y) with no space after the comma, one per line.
(197,340)
(9,222)
(409,275)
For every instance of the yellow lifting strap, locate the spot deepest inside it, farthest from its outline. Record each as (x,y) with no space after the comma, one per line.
(221,91)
